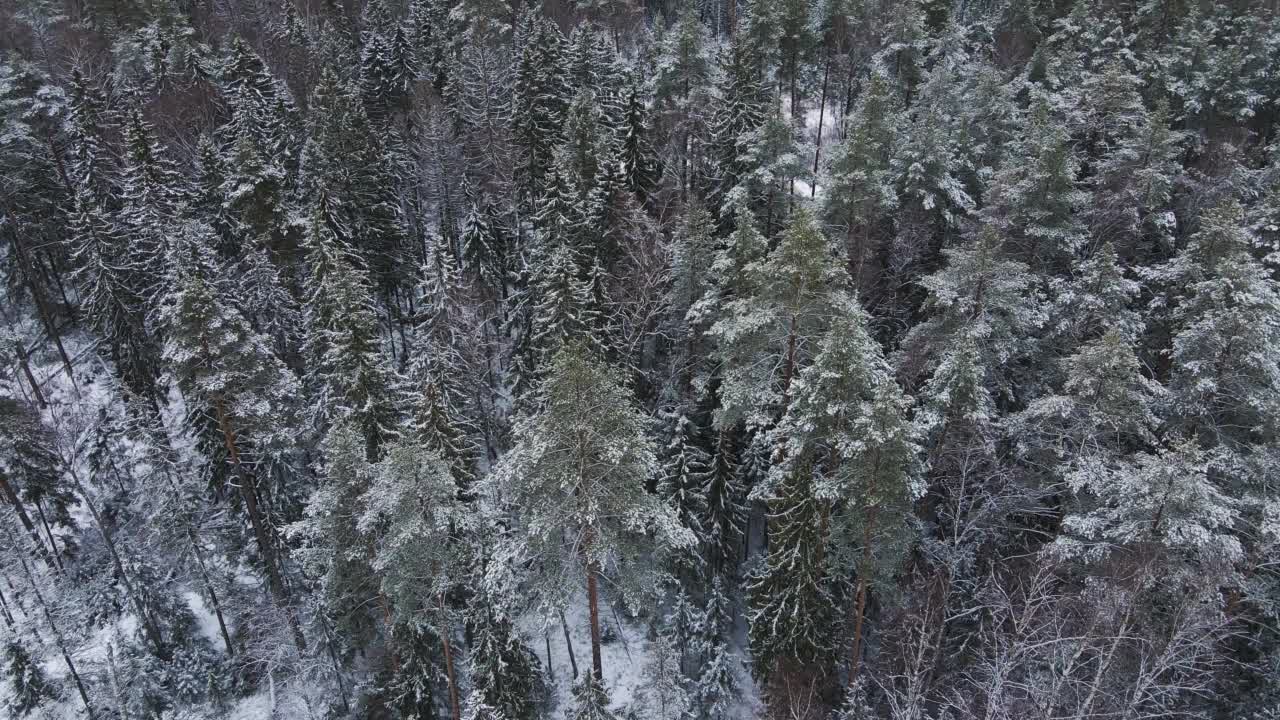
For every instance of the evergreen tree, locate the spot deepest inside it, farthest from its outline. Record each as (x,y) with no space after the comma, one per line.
(717,684)
(849,419)
(113,293)
(861,192)
(1035,198)
(590,700)
(578,473)
(791,610)
(226,371)
(764,331)
(350,378)
(725,521)
(31,689)
(664,695)
(686,466)
(505,675)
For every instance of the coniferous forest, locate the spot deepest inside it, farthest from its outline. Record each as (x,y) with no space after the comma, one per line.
(639,359)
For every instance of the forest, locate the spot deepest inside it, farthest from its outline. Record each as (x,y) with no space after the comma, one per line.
(639,359)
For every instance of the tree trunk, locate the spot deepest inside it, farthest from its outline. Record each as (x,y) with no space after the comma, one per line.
(31,378)
(454,708)
(48,533)
(261,535)
(593,601)
(198,554)
(568,642)
(822,106)
(149,626)
(9,494)
(57,634)
(27,267)
(4,611)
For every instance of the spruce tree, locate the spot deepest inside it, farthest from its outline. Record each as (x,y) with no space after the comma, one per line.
(31,689)
(347,372)
(790,606)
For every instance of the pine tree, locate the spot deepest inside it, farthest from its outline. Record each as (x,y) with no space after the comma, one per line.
(763,333)
(849,418)
(415,522)
(226,370)
(337,552)
(578,473)
(984,311)
(1035,197)
(1167,498)
(1225,333)
(861,192)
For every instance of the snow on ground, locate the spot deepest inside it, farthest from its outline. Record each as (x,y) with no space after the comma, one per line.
(623,659)
(206,621)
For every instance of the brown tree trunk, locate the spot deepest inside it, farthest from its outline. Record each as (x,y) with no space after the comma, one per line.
(593,601)
(248,493)
(454,708)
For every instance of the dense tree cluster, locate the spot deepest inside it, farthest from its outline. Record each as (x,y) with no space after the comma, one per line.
(908,359)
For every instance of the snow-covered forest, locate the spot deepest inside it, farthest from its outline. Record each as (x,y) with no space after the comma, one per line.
(639,360)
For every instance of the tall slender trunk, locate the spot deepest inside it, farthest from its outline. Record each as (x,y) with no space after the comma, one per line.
(248,493)
(9,494)
(454,708)
(27,267)
(57,634)
(149,626)
(4,611)
(822,106)
(31,378)
(198,554)
(568,643)
(48,532)
(593,601)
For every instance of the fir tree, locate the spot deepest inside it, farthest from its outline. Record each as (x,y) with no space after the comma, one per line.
(791,610)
